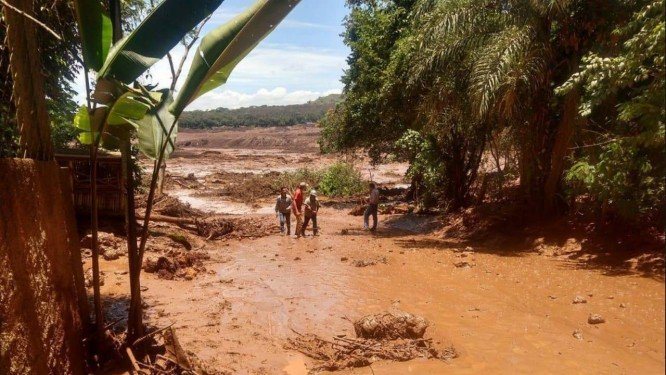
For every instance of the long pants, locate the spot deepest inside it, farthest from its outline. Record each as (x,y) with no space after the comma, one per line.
(285,218)
(370,210)
(314,224)
(299,224)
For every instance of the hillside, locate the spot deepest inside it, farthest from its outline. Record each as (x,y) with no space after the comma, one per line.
(261,116)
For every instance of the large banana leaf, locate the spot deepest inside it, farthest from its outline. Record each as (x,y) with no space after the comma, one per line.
(82,124)
(164,27)
(129,107)
(223,48)
(153,128)
(96,32)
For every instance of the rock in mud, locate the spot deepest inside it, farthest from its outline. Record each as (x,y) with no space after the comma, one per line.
(463,264)
(176,264)
(369,262)
(88,278)
(391,325)
(595,319)
(579,299)
(112,254)
(578,334)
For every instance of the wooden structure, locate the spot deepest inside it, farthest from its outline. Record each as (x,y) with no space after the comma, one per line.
(110,193)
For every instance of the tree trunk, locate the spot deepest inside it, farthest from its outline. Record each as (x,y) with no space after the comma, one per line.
(135,315)
(160,179)
(565,131)
(28,93)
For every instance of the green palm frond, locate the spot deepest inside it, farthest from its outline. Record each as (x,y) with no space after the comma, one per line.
(511,64)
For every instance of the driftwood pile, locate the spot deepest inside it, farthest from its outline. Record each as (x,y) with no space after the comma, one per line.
(394,336)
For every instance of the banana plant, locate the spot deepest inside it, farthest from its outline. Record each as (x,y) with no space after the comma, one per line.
(120,111)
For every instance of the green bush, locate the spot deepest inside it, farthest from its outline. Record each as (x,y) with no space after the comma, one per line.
(341,179)
(292,179)
(338,180)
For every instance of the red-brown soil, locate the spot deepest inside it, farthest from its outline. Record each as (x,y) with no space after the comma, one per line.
(506,306)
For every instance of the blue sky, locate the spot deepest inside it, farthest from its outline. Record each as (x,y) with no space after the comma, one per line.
(302,59)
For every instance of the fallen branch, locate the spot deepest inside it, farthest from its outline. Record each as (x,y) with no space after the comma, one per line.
(169,219)
(144,337)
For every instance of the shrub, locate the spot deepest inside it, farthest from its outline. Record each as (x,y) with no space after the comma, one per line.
(341,179)
(292,179)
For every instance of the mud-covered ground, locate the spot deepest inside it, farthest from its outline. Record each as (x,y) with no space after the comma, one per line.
(504,307)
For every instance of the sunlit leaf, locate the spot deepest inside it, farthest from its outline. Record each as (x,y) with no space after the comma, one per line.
(164,27)
(223,48)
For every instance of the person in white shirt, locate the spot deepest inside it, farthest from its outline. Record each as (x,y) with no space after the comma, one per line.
(311,208)
(373,204)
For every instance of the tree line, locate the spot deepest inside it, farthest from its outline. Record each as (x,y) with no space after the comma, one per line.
(262,116)
(567,96)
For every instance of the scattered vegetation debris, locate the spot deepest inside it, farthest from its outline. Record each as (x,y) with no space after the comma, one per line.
(595,319)
(369,262)
(236,227)
(391,325)
(358,210)
(172,206)
(344,352)
(160,352)
(396,208)
(177,264)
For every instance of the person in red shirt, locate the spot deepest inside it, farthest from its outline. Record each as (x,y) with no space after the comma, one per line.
(297,208)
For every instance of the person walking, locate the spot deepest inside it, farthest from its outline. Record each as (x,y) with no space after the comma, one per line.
(297,208)
(283,210)
(311,208)
(373,204)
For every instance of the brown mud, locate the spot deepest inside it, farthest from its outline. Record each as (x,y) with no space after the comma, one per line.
(506,307)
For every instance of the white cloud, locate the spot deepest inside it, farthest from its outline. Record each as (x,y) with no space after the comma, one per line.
(276,96)
(295,74)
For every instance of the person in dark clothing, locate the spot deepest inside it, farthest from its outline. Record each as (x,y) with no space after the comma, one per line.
(283,210)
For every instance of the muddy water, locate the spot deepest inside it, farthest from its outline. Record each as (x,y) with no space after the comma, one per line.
(507,314)
(221,206)
(510,313)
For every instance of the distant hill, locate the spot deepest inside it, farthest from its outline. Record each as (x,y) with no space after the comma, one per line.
(261,116)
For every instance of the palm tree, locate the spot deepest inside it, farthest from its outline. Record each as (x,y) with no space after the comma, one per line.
(510,54)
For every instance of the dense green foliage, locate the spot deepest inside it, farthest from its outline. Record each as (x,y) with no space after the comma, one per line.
(626,167)
(337,180)
(552,89)
(341,179)
(263,116)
